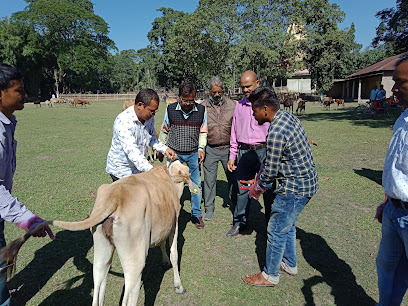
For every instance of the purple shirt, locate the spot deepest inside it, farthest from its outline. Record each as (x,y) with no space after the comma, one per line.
(10,208)
(245,129)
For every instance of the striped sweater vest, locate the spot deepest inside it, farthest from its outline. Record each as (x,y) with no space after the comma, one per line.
(184,133)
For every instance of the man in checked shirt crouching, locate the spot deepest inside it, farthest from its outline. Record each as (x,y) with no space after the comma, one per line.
(289,160)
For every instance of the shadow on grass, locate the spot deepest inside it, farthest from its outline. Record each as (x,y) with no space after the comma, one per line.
(224,193)
(49,260)
(347,114)
(374,175)
(334,271)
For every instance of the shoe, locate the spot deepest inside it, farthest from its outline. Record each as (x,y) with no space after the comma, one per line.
(208,216)
(233,231)
(260,281)
(285,267)
(198,221)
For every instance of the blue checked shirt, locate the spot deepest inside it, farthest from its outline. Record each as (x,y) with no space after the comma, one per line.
(130,142)
(289,157)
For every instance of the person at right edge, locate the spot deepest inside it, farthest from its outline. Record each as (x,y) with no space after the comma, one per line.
(392,261)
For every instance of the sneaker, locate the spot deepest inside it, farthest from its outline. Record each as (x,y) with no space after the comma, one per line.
(208,216)
(291,271)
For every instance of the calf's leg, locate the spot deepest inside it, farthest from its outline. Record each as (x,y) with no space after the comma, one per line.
(132,248)
(103,252)
(174,259)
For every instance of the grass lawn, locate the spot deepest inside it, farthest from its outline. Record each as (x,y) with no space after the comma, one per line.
(61,155)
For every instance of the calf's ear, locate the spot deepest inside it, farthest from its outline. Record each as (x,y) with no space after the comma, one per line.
(194,189)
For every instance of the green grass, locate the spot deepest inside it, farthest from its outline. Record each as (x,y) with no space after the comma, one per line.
(62,153)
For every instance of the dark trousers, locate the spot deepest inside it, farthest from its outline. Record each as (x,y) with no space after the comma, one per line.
(4,293)
(248,164)
(210,167)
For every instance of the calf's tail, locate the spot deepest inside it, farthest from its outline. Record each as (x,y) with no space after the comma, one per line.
(9,253)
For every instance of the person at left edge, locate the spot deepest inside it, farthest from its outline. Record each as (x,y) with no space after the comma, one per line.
(12,98)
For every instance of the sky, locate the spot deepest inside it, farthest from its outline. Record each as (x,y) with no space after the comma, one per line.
(131,20)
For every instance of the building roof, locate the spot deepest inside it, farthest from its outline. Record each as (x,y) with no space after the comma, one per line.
(387,64)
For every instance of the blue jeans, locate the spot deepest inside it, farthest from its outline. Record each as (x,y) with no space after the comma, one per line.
(4,293)
(192,163)
(281,243)
(392,263)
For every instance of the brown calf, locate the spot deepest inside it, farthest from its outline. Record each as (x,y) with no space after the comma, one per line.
(81,102)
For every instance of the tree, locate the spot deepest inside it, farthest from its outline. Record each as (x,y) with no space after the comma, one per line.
(393,28)
(328,50)
(75,41)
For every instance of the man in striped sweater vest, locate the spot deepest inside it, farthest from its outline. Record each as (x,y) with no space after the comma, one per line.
(184,129)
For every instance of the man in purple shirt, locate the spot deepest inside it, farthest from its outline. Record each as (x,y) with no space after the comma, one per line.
(248,148)
(12,98)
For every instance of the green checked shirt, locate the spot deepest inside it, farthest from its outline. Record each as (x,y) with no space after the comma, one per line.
(289,157)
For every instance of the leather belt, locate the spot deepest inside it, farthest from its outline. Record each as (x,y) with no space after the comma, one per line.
(399,204)
(219,145)
(244,146)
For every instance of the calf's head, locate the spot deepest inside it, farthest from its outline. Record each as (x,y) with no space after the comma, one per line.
(180,176)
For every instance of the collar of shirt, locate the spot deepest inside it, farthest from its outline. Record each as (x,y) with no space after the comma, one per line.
(186,115)
(6,120)
(277,116)
(133,116)
(245,101)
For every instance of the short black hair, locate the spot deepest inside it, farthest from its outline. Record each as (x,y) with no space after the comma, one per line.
(7,75)
(402,58)
(146,95)
(262,96)
(186,88)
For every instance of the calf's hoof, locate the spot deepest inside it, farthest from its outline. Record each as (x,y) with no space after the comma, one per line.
(180,289)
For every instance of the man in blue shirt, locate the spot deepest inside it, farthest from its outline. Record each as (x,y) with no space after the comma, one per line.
(373,94)
(12,98)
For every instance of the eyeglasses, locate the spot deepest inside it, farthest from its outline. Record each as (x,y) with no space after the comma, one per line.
(216,92)
(151,112)
(187,101)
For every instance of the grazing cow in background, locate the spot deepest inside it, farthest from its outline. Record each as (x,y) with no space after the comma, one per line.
(301,106)
(288,103)
(49,103)
(81,102)
(171,100)
(130,215)
(339,102)
(326,102)
(37,103)
(128,103)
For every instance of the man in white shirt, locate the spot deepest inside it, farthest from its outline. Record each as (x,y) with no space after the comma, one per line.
(392,261)
(133,133)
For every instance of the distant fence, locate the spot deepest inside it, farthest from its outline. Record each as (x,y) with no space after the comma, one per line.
(97,97)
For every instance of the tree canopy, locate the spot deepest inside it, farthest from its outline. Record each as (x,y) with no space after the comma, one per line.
(63,46)
(393,28)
